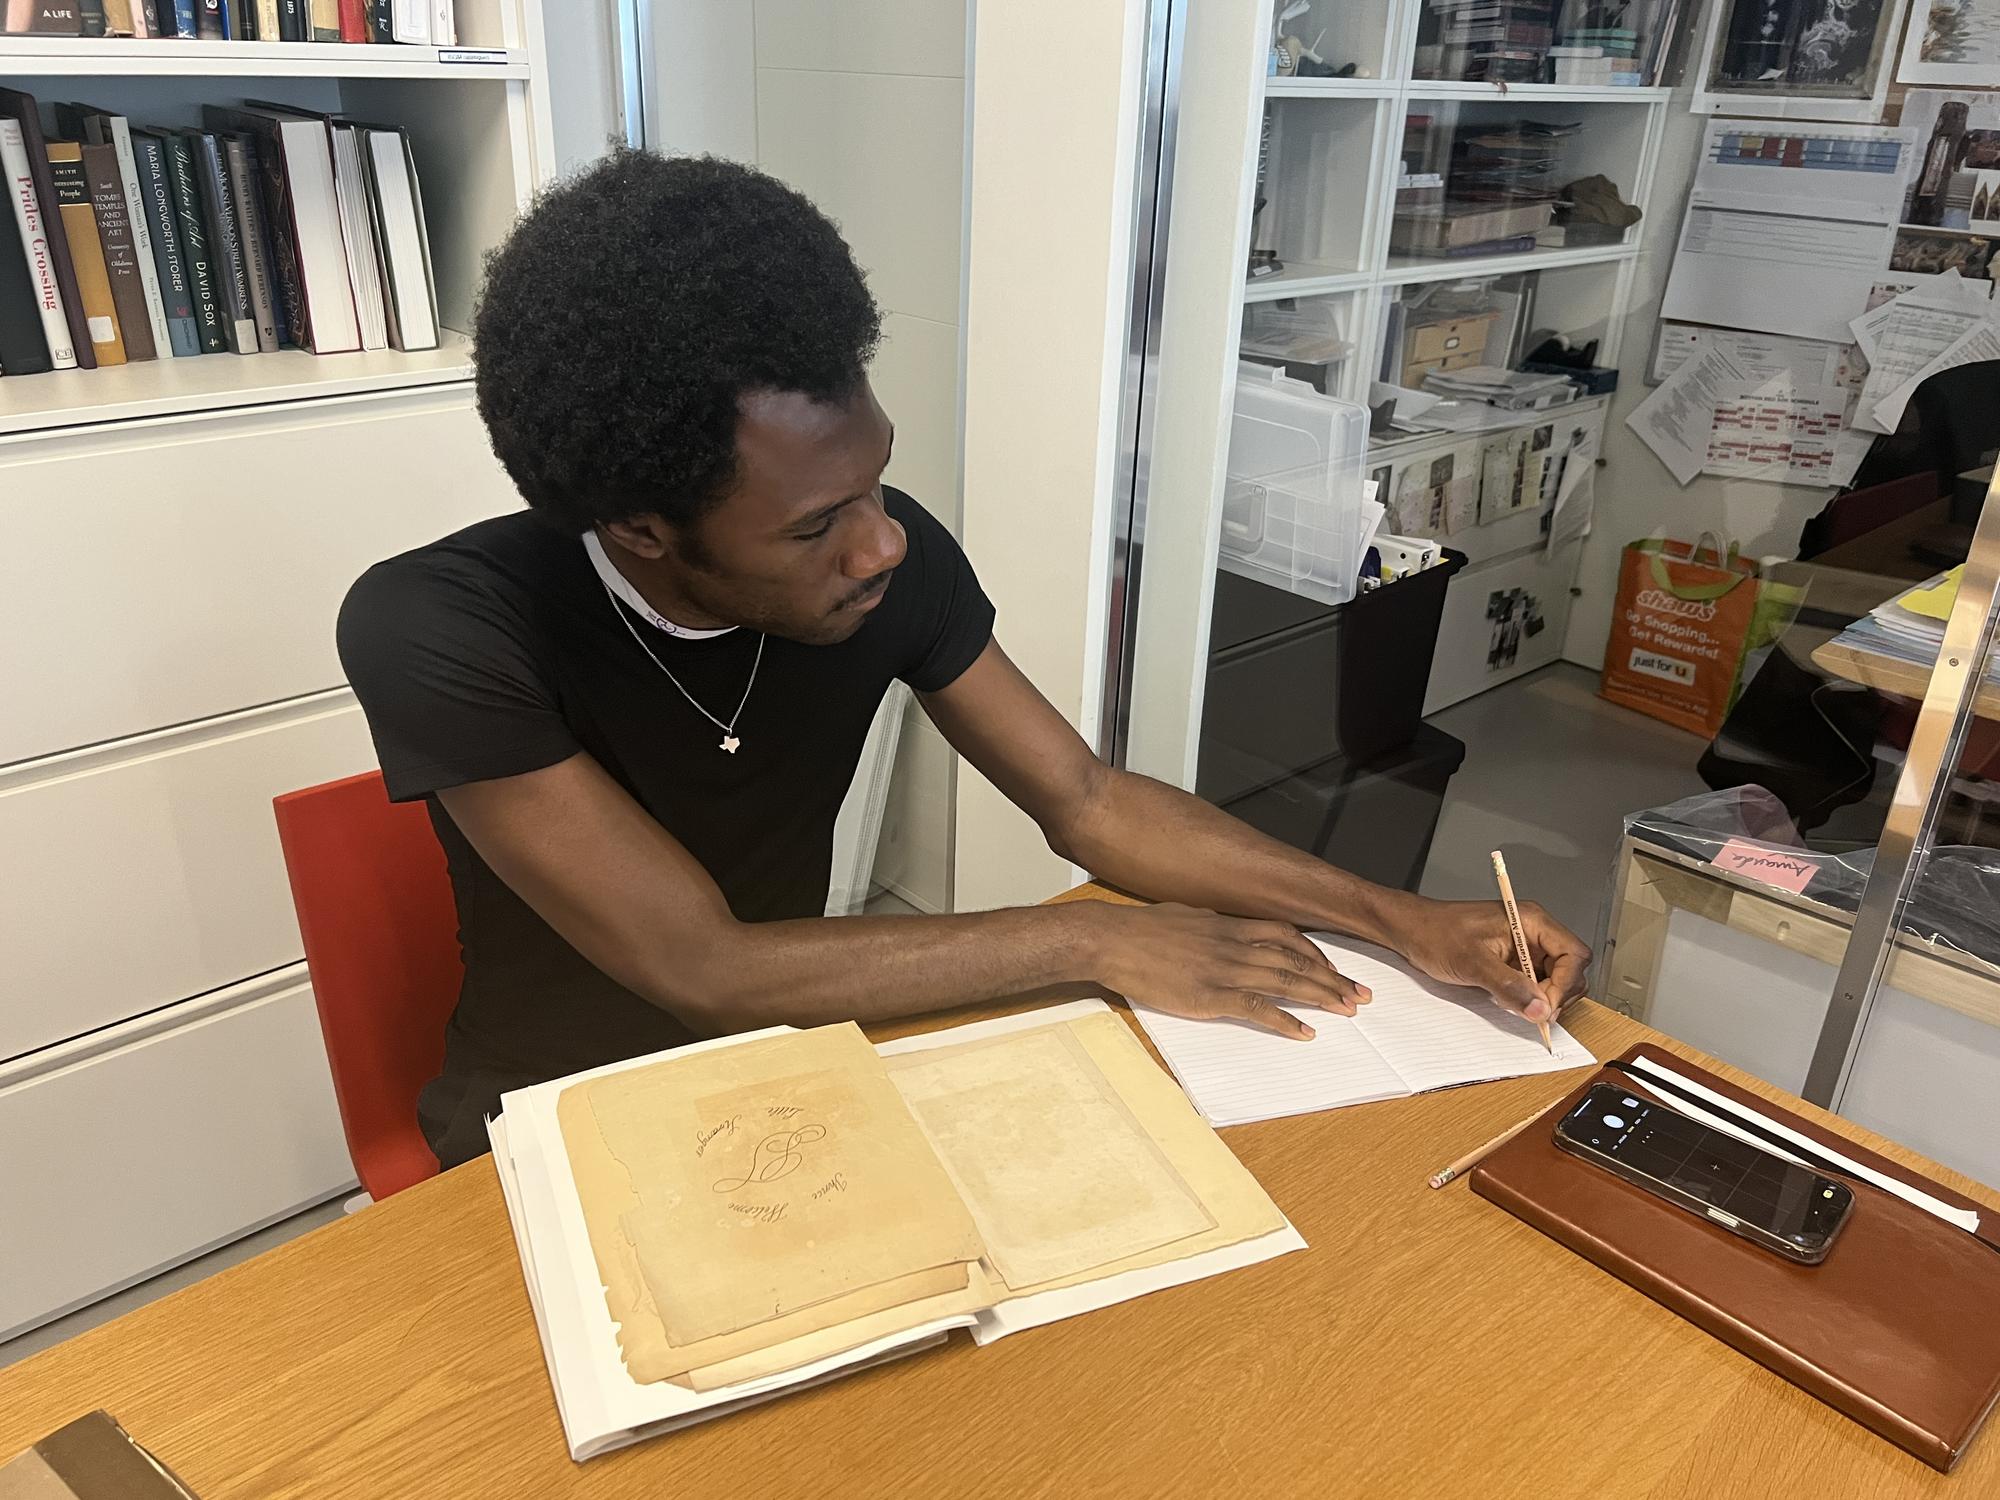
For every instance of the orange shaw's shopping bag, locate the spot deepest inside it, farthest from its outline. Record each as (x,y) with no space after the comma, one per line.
(1688,619)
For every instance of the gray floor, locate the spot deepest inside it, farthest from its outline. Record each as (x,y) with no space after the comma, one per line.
(1550,772)
(889,904)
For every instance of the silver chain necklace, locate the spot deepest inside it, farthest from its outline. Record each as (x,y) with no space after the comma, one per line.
(729,740)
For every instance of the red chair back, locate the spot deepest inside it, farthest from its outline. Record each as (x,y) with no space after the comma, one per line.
(381,937)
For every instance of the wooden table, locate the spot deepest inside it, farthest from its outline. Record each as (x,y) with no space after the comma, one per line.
(1426,1345)
(1891,674)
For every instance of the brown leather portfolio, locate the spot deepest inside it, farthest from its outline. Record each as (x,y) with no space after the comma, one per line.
(1899,1327)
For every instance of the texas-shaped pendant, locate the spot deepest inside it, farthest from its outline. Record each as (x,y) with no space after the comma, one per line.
(731,743)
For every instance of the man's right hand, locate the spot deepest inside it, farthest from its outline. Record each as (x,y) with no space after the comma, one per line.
(1196,963)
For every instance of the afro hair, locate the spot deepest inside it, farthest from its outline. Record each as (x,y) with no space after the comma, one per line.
(629,312)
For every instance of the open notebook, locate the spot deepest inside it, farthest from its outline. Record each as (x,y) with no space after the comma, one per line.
(1415,1035)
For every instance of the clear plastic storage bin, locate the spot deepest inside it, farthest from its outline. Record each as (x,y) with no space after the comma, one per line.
(1292,513)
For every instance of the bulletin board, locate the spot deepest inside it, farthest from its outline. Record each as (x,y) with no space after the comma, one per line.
(1827,264)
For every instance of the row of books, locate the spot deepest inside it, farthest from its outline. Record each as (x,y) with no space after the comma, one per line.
(1494,41)
(1577,43)
(423,22)
(268,227)
(1497,190)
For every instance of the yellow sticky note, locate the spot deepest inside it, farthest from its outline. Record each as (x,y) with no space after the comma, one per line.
(1935,602)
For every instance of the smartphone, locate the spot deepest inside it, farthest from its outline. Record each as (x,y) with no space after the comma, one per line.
(1769,1201)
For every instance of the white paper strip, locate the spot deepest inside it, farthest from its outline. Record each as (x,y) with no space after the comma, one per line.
(1964,1218)
(1680,1106)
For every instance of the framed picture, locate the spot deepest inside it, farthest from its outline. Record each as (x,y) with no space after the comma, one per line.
(1953,42)
(1797,59)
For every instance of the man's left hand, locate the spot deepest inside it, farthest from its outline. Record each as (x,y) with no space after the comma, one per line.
(1468,942)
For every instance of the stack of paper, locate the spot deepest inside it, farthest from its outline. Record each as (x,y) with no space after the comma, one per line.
(1413,1035)
(1510,390)
(1910,627)
(1455,416)
(709,1227)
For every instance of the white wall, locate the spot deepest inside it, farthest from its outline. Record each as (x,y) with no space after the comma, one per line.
(1636,496)
(1054,122)
(1194,389)
(583,81)
(862,107)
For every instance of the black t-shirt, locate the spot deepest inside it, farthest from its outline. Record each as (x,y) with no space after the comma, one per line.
(497,651)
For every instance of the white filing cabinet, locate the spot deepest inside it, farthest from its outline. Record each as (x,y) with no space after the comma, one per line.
(175,539)
(169,667)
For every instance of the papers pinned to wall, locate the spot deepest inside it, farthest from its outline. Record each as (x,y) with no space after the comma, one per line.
(1576,489)
(1760,355)
(1794,244)
(1931,328)
(1788,228)
(1752,409)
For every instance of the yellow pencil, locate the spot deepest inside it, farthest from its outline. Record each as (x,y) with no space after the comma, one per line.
(1472,1159)
(1520,937)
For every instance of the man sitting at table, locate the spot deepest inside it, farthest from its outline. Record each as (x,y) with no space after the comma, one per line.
(634,708)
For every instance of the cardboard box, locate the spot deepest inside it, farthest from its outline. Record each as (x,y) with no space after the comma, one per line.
(1456,225)
(93,1458)
(1415,371)
(1429,341)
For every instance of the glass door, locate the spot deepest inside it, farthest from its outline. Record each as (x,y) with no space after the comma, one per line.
(1507,478)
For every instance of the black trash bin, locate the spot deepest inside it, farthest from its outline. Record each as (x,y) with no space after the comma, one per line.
(1293,682)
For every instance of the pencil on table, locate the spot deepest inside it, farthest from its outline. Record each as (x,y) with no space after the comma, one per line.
(1474,1157)
(1520,936)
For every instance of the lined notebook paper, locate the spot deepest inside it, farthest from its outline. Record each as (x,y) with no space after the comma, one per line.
(1415,1035)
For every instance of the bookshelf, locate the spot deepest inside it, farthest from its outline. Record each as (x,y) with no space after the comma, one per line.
(124,57)
(1326,155)
(1335,147)
(223,382)
(482,144)
(1334,157)
(175,538)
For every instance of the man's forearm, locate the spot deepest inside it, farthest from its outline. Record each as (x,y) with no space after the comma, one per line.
(1167,845)
(814,971)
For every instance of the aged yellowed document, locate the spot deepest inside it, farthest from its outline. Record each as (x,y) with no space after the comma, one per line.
(1078,1156)
(766,1190)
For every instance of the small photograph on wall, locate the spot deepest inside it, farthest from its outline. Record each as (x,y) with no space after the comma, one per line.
(1951,215)
(1953,42)
(1932,252)
(1798,59)
(1984,215)
(1503,479)
(1512,614)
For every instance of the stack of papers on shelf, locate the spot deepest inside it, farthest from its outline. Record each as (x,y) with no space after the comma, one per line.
(1510,390)
(1454,416)
(1413,1036)
(710,1227)
(1910,627)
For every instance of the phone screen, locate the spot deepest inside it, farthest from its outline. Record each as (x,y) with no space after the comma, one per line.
(1791,1203)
